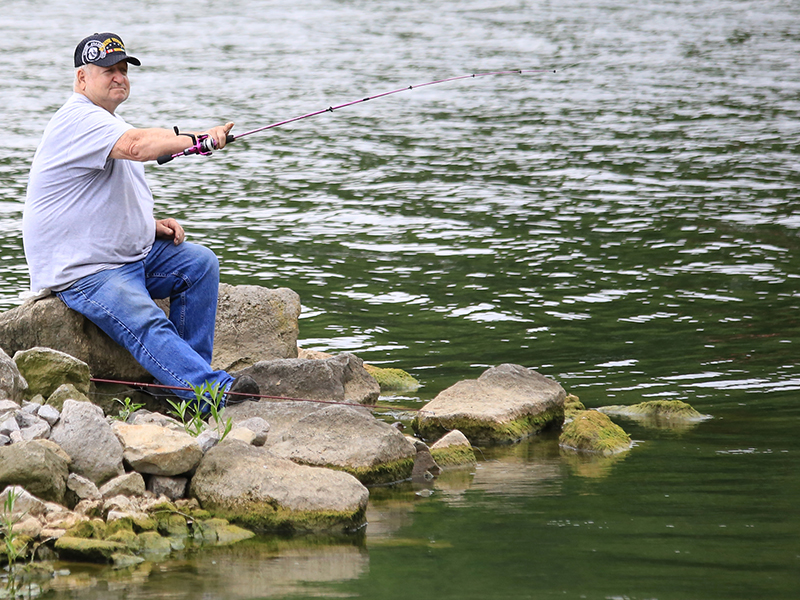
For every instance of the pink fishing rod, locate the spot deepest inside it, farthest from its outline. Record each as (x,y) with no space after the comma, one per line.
(205,145)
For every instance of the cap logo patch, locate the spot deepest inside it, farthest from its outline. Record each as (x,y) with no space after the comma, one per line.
(96,50)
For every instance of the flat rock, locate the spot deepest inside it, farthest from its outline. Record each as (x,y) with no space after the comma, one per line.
(339,378)
(88,439)
(349,439)
(506,403)
(157,450)
(260,491)
(25,503)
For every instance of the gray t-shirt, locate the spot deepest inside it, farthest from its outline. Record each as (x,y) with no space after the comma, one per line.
(84,212)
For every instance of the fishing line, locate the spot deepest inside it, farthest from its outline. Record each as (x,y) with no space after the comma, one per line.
(160,386)
(204,145)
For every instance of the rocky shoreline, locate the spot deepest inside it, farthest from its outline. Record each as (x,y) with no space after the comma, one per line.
(91,474)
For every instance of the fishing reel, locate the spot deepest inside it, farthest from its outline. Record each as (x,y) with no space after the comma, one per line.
(202,144)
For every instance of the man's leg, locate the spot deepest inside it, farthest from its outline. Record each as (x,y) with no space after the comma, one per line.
(187,274)
(118,301)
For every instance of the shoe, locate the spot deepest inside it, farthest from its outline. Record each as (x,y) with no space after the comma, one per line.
(242,389)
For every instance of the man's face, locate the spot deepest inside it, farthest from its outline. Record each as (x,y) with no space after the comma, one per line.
(106,86)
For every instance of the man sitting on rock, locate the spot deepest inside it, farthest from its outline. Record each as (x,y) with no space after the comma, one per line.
(90,235)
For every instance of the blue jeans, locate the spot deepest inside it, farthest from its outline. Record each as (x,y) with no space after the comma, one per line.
(177,349)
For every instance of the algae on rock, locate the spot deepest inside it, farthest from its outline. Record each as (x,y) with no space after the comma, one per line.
(592,431)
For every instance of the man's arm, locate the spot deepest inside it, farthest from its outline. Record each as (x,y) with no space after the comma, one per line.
(148,144)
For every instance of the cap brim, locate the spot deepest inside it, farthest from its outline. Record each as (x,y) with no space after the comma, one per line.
(111,59)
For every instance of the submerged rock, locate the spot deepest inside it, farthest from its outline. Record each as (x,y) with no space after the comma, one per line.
(350,439)
(392,380)
(505,404)
(658,413)
(251,486)
(592,431)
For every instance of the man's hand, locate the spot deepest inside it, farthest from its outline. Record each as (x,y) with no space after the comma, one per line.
(169,229)
(220,134)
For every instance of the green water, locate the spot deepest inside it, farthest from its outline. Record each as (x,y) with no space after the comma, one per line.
(627,226)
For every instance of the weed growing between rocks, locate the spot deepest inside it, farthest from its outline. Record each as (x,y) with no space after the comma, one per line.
(208,405)
(128,408)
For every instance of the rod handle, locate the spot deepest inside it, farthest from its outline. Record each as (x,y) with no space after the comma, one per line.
(164,158)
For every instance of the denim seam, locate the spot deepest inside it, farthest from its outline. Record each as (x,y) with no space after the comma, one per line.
(133,335)
(188,283)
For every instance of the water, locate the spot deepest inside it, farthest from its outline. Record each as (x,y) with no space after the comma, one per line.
(627,226)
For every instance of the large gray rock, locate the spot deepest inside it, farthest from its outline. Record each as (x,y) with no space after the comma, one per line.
(253,487)
(505,404)
(253,324)
(280,415)
(87,437)
(339,378)
(46,369)
(38,467)
(12,384)
(351,440)
(158,450)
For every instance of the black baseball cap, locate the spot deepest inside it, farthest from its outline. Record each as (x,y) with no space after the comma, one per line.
(103,50)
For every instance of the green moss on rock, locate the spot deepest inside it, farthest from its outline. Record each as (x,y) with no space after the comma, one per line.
(454,456)
(592,431)
(657,409)
(265,518)
(480,432)
(392,380)
(572,405)
(390,472)
(87,550)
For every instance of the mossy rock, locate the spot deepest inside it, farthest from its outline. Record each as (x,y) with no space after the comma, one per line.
(592,431)
(152,543)
(392,380)
(91,529)
(265,518)
(390,472)
(64,392)
(488,432)
(46,369)
(657,410)
(173,526)
(122,524)
(572,405)
(220,531)
(126,537)
(454,456)
(87,550)
(141,523)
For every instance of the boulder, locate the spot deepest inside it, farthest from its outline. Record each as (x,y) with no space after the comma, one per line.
(12,384)
(350,439)
(86,436)
(260,491)
(340,378)
(45,369)
(453,450)
(592,431)
(253,324)
(35,466)
(157,450)
(505,404)
(87,550)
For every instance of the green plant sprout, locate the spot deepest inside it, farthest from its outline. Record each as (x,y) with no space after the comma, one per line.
(128,408)
(192,415)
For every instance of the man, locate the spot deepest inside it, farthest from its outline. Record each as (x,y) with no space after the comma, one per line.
(90,235)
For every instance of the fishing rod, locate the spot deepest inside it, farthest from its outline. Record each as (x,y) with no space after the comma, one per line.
(259,396)
(204,145)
